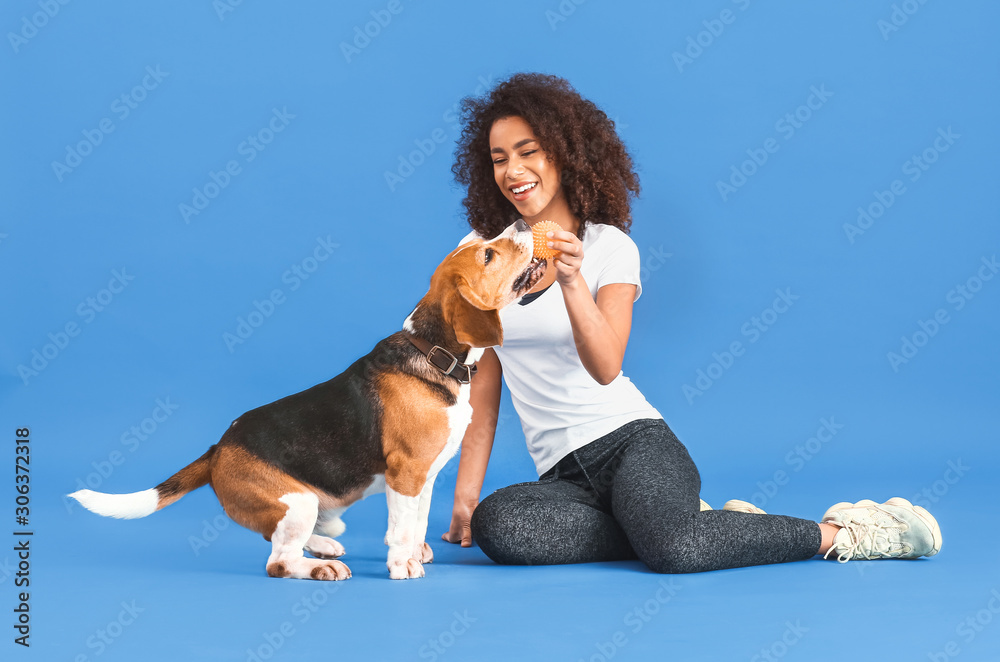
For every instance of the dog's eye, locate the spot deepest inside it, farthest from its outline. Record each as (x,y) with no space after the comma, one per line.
(489,255)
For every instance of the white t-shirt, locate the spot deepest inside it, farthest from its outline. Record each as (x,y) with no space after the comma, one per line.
(562,407)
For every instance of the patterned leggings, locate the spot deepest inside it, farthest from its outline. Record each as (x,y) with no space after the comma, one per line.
(632,493)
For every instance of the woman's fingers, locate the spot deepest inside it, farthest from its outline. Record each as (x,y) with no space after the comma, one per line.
(464,537)
(460,530)
(565,242)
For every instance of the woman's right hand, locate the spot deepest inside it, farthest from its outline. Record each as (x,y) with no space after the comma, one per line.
(460,531)
(476,446)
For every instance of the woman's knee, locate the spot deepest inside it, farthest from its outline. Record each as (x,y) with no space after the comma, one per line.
(671,559)
(498,529)
(668,564)
(666,549)
(485,518)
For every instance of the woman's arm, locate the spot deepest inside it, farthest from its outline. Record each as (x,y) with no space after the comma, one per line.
(600,328)
(484,396)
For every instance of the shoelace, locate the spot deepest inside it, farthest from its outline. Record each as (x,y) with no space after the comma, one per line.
(877,546)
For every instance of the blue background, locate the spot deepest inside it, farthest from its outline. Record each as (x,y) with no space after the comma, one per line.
(712,263)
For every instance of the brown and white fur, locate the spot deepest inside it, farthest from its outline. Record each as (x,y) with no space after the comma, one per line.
(390,422)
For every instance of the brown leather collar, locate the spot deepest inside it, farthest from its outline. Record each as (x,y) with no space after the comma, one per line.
(444,360)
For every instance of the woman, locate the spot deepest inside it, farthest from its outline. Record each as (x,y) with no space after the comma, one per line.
(614,482)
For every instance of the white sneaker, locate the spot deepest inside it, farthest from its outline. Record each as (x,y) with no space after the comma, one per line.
(895,529)
(738,506)
(742,507)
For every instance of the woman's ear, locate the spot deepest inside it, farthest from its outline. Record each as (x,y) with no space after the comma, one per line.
(473,322)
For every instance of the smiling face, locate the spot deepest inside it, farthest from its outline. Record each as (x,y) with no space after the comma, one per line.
(522,170)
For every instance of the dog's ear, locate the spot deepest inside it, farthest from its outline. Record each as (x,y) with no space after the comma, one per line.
(474,323)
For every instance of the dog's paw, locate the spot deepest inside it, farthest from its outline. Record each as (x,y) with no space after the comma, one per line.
(331,571)
(424,553)
(324,548)
(408,569)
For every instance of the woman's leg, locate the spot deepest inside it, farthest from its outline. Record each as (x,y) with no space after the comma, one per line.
(547,522)
(655,499)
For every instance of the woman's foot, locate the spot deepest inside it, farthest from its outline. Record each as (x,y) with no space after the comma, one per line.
(895,529)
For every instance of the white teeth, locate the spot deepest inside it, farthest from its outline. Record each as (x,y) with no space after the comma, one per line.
(522,189)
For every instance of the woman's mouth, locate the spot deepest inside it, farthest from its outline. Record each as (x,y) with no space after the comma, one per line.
(524,191)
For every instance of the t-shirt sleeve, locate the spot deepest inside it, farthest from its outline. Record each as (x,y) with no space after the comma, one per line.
(621,263)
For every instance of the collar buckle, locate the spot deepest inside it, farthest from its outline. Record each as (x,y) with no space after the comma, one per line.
(438,348)
(463,372)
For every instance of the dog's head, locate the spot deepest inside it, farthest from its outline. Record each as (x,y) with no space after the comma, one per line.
(480,277)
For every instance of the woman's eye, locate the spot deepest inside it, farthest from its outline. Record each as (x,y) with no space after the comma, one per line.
(489,256)
(529,152)
(498,161)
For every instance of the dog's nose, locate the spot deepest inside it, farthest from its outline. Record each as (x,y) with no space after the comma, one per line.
(521,226)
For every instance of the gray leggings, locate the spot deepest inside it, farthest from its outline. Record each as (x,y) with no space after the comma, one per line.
(632,493)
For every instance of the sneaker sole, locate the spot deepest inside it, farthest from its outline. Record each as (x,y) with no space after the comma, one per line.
(925,517)
(899,502)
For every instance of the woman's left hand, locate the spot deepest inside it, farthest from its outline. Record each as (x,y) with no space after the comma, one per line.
(567,262)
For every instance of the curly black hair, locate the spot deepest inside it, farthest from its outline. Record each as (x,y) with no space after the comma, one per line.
(597,173)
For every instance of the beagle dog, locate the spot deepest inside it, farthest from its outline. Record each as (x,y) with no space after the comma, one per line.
(388,423)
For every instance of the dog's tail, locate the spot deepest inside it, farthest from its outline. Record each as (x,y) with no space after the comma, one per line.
(147,502)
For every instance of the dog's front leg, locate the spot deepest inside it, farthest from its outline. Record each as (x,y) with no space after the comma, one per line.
(401,535)
(421,550)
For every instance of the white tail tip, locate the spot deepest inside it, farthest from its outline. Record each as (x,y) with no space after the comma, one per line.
(122,506)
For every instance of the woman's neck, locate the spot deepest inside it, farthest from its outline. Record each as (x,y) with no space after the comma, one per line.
(558,212)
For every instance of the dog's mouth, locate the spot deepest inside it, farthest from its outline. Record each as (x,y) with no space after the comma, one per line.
(530,276)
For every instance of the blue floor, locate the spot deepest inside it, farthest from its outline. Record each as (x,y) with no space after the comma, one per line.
(189,585)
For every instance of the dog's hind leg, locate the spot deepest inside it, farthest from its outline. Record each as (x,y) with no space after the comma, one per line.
(284,510)
(293,533)
(324,548)
(328,526)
